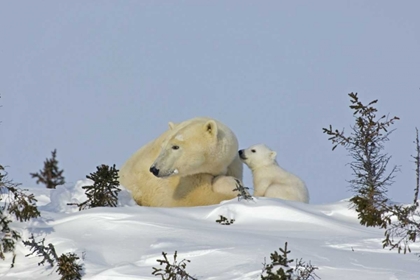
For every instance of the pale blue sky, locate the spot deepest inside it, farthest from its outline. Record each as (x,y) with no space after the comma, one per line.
(98,79)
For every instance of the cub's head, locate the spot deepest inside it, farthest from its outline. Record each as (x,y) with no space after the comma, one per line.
(186,150)
(257,155)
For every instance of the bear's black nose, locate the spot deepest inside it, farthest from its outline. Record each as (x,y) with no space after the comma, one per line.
(154,170)
(242,154)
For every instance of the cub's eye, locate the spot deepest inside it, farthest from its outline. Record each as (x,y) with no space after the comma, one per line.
(253,151)
(175,147)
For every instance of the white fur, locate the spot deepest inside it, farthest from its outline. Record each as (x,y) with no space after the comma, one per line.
(270,180)
(179,137)
(195,161)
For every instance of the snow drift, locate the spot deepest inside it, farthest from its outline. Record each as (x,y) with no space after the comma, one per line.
(124,242)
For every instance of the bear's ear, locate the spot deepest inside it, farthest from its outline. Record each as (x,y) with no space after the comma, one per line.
(171,125)
(273,155)
(211,128)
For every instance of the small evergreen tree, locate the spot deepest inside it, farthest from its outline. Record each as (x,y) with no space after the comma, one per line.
(243,191)
(104,191)
(68,267)
(16,203)
(284,271)
(172,271)
(225,221)
(8,240)
(365,145)
(50,176)
(281,262)
(47,253)
(67,264)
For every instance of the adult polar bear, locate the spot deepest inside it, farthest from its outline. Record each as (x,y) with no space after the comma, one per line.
(193,163)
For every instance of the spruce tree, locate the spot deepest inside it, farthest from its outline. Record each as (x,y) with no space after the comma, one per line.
(47,253)
(280,269)
(365,145)
(104,191)
(172,271)
(371,179)
(280,261)
(50,176)
(67,265)
(243,191)
(17,203)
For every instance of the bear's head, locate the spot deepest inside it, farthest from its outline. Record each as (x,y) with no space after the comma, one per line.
(257,156)
(191,148)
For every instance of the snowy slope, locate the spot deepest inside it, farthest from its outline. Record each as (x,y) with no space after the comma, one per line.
(124,242)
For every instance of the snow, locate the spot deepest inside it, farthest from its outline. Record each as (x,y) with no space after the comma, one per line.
(125,242)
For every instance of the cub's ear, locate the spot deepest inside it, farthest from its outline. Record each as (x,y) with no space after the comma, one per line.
(211,128)
(171,125)
(273,155)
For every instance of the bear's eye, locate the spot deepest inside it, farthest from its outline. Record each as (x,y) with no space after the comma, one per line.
(175,147)
(253,151)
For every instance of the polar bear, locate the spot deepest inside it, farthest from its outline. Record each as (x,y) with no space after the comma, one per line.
(270,180)
(193,163)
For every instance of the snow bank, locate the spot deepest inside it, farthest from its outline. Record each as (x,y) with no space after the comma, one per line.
(124,242)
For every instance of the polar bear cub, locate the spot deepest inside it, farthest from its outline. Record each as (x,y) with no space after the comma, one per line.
(270,180)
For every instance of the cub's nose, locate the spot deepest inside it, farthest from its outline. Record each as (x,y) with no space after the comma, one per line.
(242,154)
(154,170)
